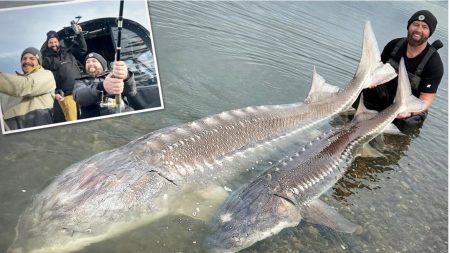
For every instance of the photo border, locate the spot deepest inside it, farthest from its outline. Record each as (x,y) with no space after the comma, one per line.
(148,19)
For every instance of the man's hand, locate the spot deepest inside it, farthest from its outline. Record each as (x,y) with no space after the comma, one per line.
(120,70)
(59,98)
(404,115)
(77,28)
(113,85)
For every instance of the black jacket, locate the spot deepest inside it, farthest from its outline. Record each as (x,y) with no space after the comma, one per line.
(88,93)
(382,96)
(64,64)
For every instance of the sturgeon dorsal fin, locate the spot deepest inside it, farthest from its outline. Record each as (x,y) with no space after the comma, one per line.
(320,213)
(362,113)
(319,88)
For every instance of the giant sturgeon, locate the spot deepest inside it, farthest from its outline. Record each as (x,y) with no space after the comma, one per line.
(288,192)
(124,188)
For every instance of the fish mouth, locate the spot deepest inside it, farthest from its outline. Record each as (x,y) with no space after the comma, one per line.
(220,243)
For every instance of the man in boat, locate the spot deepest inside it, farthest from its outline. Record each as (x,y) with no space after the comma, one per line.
(95,91)
(36,86)
(423,63)
(63,62)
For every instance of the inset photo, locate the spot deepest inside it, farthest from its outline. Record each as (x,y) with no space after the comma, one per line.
(70,62)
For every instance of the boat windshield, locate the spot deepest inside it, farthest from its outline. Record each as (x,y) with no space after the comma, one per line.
(138,56)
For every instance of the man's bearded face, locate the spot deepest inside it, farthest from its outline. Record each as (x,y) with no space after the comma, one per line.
(53,44)
(29,62)
(93,67)
(418,33)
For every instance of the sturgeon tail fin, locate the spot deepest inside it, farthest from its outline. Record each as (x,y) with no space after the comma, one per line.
(371,61)
(404,96)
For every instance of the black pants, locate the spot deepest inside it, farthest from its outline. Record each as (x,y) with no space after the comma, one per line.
(34,118)
(412,122)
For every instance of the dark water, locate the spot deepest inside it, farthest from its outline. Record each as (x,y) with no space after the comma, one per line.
(216,56)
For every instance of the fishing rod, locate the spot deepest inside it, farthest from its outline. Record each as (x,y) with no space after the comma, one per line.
(119,38)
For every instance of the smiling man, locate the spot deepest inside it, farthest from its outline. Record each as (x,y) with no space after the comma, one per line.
(95,92)
(423,63)
(63,62)
(36,86)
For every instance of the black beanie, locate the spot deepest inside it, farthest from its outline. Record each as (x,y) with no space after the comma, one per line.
(99,58)
(33,51)
(52,34)
(424,16)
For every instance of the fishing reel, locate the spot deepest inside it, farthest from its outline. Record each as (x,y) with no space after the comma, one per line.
(109,106)
(110,103)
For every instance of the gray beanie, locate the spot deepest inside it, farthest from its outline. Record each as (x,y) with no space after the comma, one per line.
(33,51)
(424,16)
(99,58)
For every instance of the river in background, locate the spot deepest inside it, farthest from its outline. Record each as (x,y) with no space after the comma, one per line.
(217,56)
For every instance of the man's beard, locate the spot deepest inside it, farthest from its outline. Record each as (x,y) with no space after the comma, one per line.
(55,48)
(94,72)
(414,42)
(27,68)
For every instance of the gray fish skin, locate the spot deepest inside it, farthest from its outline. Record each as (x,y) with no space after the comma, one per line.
(284,194)
(122,189)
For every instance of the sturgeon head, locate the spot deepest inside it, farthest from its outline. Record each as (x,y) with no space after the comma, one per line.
(99,198)
(284,194)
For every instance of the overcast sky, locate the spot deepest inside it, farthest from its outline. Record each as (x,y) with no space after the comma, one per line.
(23,27)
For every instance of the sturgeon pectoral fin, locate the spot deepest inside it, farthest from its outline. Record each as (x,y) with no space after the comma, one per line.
(320,213)
(369,151)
